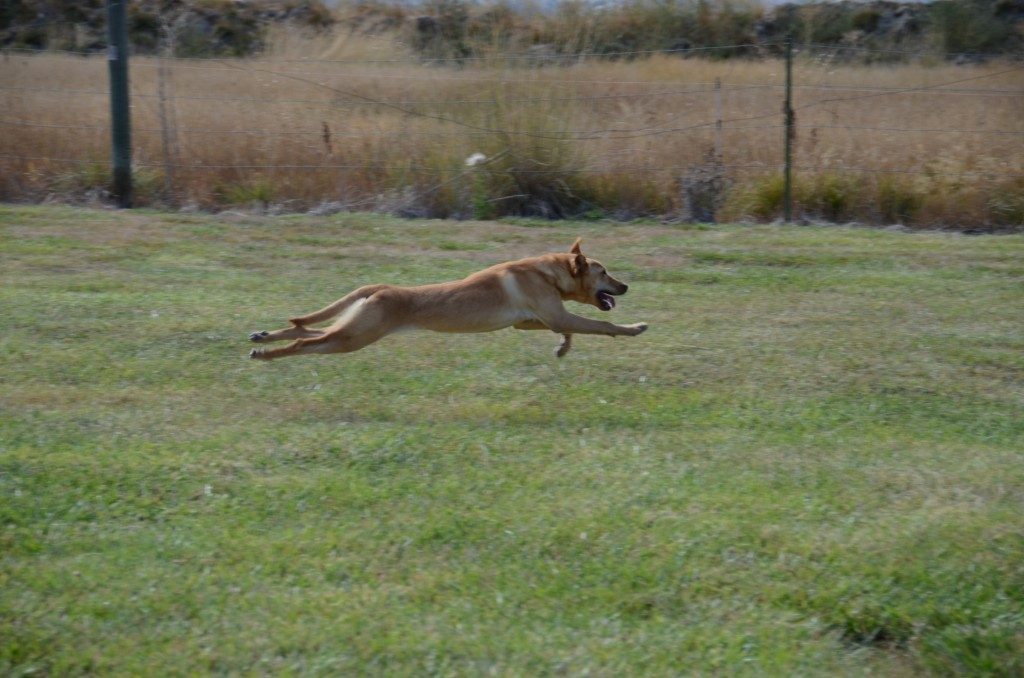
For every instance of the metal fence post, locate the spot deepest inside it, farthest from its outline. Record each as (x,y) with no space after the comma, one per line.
(718,120)
(120,118)
(787,191)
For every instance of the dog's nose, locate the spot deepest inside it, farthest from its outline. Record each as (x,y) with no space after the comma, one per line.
(625,288)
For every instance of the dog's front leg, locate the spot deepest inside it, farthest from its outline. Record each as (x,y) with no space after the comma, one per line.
(563,346)
(566,323)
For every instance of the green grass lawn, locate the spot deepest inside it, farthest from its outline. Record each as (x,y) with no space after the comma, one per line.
(812,463)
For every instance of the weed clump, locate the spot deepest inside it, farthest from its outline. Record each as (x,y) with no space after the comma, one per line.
(704,189)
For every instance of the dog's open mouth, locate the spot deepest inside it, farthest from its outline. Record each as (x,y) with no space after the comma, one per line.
(605,301)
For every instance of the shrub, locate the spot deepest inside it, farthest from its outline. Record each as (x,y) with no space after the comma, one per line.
(442,32)
(703,190)
(867,19)
(256,191)
(535,166)
(1006,203)
(758,198)
(832,197)
(966,26)
(898,200)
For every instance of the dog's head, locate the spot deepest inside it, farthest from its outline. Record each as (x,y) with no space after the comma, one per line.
(593,283)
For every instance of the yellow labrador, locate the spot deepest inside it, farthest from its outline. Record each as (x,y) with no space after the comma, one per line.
(525,294)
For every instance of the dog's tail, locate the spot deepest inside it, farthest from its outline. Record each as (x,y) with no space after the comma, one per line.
(337,307)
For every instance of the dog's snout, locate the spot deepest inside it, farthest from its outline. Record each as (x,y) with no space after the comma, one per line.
(625,288)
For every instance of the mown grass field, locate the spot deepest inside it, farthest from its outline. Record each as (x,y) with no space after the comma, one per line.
(811,464)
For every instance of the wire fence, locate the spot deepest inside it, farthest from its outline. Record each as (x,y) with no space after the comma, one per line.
(630,133)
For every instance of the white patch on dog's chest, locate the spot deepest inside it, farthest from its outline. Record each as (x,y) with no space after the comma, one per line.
(511,287)
(517,310)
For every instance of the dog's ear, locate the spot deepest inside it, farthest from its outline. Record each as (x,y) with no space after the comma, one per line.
(579,261)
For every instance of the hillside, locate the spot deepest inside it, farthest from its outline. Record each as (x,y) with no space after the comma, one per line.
(954,28)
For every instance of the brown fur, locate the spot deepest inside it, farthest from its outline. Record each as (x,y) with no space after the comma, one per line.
(527,294)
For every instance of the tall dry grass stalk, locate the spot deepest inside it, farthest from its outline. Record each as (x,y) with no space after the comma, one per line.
(165,108)
(596,136)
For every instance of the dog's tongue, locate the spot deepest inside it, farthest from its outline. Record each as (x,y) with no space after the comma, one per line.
(606,301)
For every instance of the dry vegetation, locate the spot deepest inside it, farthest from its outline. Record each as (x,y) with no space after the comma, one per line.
(316,123)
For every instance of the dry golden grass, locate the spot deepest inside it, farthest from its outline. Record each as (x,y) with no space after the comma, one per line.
(318,120)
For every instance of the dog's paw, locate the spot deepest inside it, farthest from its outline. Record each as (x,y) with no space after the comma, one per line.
(256,354)
(637,328)
(564,346)
(258,336)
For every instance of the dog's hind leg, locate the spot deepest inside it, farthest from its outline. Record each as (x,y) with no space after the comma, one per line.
(333,341)
(338,307)
(293,332)
(366,325)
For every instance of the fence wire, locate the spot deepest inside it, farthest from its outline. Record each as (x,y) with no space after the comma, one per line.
(385,121)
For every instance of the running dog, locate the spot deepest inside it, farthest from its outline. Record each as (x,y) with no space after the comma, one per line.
(525,294)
